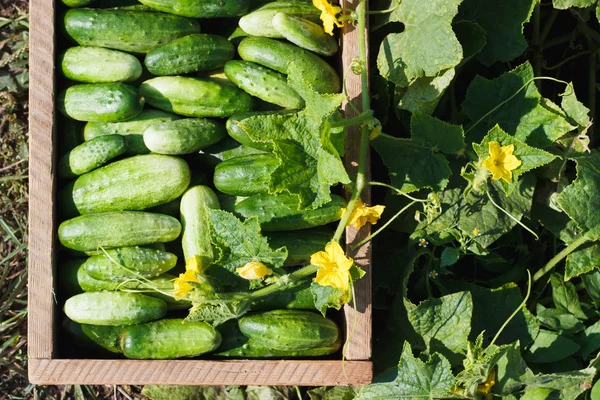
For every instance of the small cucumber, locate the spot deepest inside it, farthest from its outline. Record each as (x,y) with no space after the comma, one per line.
(247,175)
(101,102)
(96,64)
(91,155)
(128,263)
(117,229)
(200,8)
(132,129)
(192,53)
(291,330)
(195,97)
(263,83)
(196,238)
(134,183)
(300,244)
(184,136)
(107,337)
(259,22)
(169,338)
(279,55)
(280,212)
(127,30)
(305,34)
(114,308)
(236,129)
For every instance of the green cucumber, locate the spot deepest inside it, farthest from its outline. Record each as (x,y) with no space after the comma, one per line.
(107,337)
(132,129)
(247,175)
(126,30)
(184,136)
(91,155)
(196,238)
(155,246)
(128,263)
(195,97)
(235,128)
(259,22)
(100,102)
(256,349)
(226,149)
(280,212)
(192,53)
(114,308)
(279,55)
(117,229)
(228,202)
(263,83)
(169,338)
(305,34)
(200,8)
(134,183)
(296,297)
(300,244)
(289,329)
(77,3)
(96,64)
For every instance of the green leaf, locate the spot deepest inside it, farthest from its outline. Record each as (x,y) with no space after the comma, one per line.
(412,379)
(416,163)
(568,384)
(525,116)
(564,4)
(580,200)
(426,47)
(163,392)
(333,393)
(558,320)
(329,297)
(595,393)
(310,163)
(503,26)
(574,109)
(219,310)
(565,297)
(271,392)
(582,260)
(444,323)
(449,256)
(511,370)
(425,93)
(239,243)
(550,347)
(538,394)
(530,157)
(471,36)
(591,281)
(590,340)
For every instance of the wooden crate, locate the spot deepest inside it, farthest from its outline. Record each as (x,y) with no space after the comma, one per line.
(46,366)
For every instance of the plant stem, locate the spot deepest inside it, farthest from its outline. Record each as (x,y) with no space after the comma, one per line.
(284,281)
(560,256)
(535,43)
(352,121)
(412,203)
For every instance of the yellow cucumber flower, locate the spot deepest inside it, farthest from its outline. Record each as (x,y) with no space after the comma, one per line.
(254,270)
(335,266)
(181,287)
(501,161)
(363,214)
(192,264)
(487,386)
(328,15)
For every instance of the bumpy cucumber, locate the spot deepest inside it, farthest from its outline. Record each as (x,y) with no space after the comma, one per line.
(184,136)
(96,64)
(91,155)
(259,22)
(101,102)
(117,229)
(305,33)
(256,349)
(127,30)
(237,130)
(107,337)
(289,329)
(169,338)
(155,246)
(200,8)
(194,97)
(129,262)
(279,55)
(196,238)
(192,53)
(280,212)
(132,129)
(263,83)
(247,175)
(77,3)
(114,308)
(134,183)
(300,244)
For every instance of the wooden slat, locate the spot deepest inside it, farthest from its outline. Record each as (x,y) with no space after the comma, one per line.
(192,372)
(358,320)
(41,193)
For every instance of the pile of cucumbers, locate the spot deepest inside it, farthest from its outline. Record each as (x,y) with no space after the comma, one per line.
(150,141)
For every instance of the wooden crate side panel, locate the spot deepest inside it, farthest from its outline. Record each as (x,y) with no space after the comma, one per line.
(192,372)
(41,178)
(358,320)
